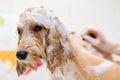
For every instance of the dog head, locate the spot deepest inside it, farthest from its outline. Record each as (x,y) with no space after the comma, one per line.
(42,36)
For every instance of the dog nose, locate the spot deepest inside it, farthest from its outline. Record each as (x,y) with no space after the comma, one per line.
(21,55)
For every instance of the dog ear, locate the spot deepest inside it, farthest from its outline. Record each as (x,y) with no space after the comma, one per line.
(21,67)
(57,44)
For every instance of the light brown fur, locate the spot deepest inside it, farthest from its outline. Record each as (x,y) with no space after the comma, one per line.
(33,43)
(50,44)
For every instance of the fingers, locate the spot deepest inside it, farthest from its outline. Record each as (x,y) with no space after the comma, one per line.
(92,33)
(94,37)
(95,33)
(91,40)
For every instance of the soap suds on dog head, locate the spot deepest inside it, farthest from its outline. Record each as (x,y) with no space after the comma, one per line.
(100,69)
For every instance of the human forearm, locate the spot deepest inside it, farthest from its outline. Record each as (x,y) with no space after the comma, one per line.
(90,66)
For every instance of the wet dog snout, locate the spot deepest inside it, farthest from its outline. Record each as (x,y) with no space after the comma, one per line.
(22,55)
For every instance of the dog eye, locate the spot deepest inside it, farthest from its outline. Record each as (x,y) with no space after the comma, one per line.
(37,28)
(19,31)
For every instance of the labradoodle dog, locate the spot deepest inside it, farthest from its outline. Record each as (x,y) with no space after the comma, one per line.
(44,37)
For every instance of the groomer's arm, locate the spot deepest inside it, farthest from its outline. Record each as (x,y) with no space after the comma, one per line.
(90,66)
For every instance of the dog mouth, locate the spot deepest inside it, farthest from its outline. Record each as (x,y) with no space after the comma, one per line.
(29,59)
(29,70)
(25,68)
(31,62)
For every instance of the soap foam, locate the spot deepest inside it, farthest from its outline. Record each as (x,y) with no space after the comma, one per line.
(100,69)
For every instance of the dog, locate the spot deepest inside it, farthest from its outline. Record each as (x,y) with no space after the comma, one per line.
(43,37)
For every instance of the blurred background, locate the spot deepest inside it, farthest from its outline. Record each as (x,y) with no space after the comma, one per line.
(78,14)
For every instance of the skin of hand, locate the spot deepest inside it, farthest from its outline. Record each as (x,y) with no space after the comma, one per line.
(97,39)
(82,58)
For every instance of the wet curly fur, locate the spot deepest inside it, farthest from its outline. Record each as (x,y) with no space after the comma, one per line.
(49,44)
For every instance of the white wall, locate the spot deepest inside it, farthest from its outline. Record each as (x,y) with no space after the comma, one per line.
(79,14)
